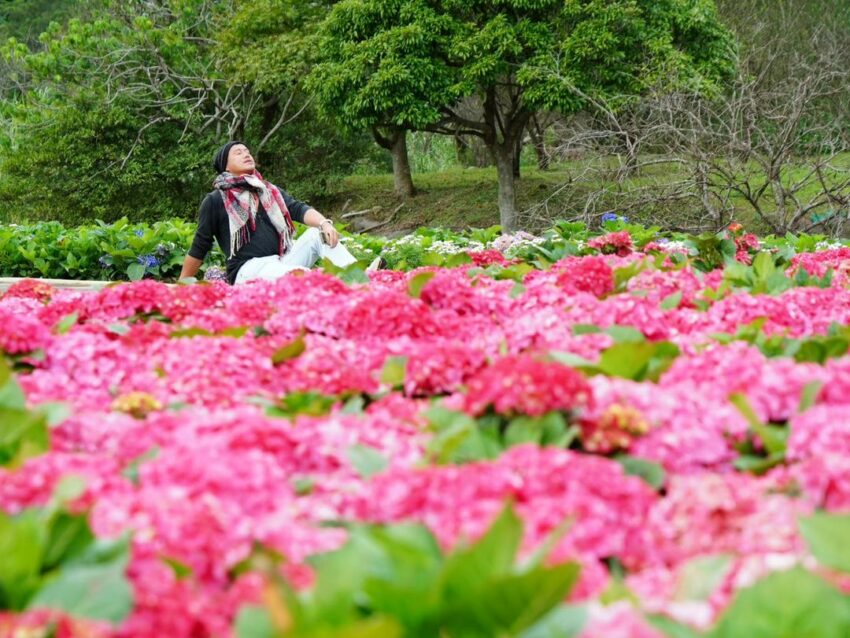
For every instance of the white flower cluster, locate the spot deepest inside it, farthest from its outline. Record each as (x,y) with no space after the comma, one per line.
(675,246)
(453,248)
(510,245)
(828,245)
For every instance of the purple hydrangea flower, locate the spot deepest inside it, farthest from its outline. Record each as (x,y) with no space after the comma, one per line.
(148,261)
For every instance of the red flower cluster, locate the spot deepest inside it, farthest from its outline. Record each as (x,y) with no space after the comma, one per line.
(618,243)
(588,274)
(30,289)
(525,384)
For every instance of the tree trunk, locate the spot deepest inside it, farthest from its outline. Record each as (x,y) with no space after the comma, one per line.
(505,157)
(517,154)
(402,179)
(539,141)
(396,144)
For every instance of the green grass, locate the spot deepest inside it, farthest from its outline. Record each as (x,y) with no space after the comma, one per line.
(460,198)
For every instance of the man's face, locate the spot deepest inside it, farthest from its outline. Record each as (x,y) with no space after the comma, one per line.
(240,160)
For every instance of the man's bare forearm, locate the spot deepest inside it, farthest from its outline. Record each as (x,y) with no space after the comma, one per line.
(191,266)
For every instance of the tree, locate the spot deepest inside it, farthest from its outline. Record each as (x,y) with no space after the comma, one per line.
(116,115)
(412,62)
(379,71)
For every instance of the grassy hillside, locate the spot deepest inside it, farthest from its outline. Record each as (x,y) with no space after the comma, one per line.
(458,198)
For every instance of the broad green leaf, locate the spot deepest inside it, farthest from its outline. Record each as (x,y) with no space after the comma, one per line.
(572,360)
(366,460)
(740,401)
(649,471)
(758,464)
(11,394)
(627,360)
(22,546)
(524,429)
(393,372)
(66,323)
(566,621)
(91,586)
(291,350)
(699,578)
(24,434)
(788,604)
(135,271)
(469,568)
(774,438)
(518,290)
(809,395)
(671,302)
(512,603)
(180,569)
(827,536)
(625,334)
(670,628)
(418,281)
(68,536)
(586,328)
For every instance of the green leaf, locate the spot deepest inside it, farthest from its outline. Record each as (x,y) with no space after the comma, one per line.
(670,628)
(393,372)
(131,470)
(774,437)
(758,464)
(68,536)
(627,360)
(366,460)
(66,323)
(291,350)
(699,578)
(22,544)
(518,290)
(181,570)
(573,360)
(565,621)
(671,302)
(512,603)
(585,329)
(23,435)
(826,535)
(92,586)
(468,568)
(625,334)
(788,604)
(740,401)
(418,281)
(809,395)
(652,473)
(135,271)
(11,394)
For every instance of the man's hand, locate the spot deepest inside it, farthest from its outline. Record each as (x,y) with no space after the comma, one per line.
(330,235)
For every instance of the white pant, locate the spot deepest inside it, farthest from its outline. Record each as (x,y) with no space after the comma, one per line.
(305,252)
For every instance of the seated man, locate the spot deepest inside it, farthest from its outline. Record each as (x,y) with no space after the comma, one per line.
(251,219)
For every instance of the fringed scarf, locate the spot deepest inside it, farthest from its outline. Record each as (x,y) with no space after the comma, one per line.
(237,192)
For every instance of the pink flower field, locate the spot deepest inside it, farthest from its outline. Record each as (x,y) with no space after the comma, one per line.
(664,429)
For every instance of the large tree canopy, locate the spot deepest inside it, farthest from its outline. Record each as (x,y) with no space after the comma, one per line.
(412,63)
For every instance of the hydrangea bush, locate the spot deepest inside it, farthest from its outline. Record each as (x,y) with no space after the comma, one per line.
(620,434)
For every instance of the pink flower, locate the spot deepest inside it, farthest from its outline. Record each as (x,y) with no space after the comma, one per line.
(618,243)
(585,274)
(524,384)
(30,289)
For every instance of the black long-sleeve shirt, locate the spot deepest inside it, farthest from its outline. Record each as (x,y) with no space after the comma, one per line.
(263,241)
